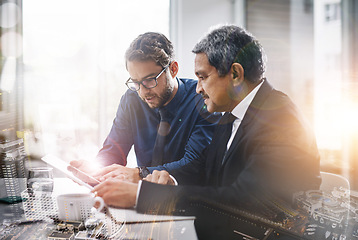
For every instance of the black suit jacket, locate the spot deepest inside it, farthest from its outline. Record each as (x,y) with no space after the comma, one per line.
(273,155)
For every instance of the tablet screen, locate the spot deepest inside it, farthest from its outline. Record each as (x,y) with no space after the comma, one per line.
(64,168)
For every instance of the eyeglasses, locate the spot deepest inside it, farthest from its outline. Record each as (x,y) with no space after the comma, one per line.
(147,82)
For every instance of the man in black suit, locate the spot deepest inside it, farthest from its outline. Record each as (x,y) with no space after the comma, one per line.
(263,149)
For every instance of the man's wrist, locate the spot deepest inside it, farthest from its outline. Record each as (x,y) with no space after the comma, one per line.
(143,172)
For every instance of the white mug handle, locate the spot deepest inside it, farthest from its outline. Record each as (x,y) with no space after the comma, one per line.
(101,203)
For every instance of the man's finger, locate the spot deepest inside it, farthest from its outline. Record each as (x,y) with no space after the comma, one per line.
(106,170)
(163,178)
(76,163)
(148,178)
(72,169)
(155,174)
(103,171)
(121,177)
(101,188)
(155,177)
(106,176)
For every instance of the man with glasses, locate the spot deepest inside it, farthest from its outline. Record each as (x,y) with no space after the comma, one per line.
(154,89)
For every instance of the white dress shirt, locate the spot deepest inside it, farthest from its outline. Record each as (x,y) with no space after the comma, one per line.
(240,110)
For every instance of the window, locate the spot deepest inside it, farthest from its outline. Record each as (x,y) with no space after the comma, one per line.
(74,70)
(332,12)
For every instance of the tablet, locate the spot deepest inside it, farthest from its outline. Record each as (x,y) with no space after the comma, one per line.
(64,167)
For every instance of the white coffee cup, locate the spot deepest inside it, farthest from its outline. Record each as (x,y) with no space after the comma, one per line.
(77,206)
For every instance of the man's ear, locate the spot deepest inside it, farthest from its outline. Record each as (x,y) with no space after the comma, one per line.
(174,68)
(237,72)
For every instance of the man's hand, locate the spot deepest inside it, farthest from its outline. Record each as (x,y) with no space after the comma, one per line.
(119,172)
(83,170)
(161,177)
(117,193)
(85,166)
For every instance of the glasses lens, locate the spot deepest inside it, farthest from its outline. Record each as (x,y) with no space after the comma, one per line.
(133,86)
(149,83)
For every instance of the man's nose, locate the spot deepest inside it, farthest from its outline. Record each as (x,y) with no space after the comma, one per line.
(199,88)
(143,90)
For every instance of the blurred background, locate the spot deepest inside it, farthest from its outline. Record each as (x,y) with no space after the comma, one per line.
(63,72)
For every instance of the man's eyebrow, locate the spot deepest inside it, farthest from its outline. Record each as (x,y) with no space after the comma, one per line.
(200,72)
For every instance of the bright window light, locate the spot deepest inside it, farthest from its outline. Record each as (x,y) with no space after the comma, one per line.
(74,70)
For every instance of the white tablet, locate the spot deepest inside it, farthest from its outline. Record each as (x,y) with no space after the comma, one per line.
(64,168)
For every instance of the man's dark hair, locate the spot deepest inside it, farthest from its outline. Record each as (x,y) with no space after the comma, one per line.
(151,46)
(229,44)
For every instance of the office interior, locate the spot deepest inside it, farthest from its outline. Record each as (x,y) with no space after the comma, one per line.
(63,71)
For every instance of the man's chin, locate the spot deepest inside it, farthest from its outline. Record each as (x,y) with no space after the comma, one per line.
(210,108)
(153,105)
(150,104)
(207,105)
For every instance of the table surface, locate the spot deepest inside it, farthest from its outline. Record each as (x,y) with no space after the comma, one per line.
(335,216)
(135,225)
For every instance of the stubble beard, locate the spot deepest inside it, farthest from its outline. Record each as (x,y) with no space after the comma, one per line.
(163,98)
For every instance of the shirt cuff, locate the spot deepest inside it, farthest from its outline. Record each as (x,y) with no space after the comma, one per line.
(138,190)
(174,180)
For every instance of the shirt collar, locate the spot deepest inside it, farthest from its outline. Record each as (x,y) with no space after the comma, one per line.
(241,108)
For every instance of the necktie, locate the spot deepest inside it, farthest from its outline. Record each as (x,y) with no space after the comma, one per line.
(226,122)
(163,131)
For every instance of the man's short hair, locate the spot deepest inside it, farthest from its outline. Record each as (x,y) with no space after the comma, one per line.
(151,46)
(228,44)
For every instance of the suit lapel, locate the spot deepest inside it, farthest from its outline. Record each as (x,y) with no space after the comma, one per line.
(254,107)
(214,161)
